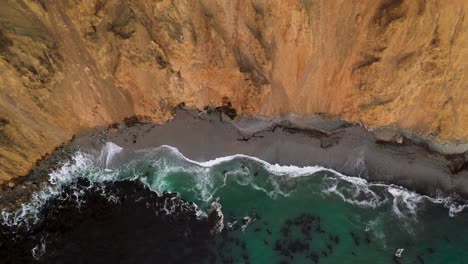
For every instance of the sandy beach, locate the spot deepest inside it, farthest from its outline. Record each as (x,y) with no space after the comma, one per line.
(205,135)
(344,147)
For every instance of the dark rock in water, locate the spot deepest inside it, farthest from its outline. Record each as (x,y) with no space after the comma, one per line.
(277,246)
(420,259)
(285,231)
(296,246)
(243,245)
(290,245)
(314,257)
(319,229)
(430,250)
(335,239)
(367,238)
(256,215)
(330,248)
(447,239)
(355,239)
(396,259)
(134,230)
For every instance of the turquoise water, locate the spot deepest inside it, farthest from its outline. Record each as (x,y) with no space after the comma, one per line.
(288,214)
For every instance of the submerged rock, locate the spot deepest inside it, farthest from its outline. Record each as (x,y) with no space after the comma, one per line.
(90,63)
(120,220)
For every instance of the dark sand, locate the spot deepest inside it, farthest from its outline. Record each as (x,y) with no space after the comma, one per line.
(347,148)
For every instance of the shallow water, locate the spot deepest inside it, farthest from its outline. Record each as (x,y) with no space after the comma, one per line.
(157,205)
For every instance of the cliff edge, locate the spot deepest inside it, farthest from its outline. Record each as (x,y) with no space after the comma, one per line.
(68,66)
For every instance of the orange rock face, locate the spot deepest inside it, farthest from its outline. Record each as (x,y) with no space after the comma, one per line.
(67,66)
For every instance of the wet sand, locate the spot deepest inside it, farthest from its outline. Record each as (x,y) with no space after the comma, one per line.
(347,148)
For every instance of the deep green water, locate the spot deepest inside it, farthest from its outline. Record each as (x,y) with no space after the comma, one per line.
(287,214)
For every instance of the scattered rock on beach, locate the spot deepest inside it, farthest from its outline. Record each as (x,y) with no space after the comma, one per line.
(135,120)
(388,135)
(456,162)
(327,142)
(227,109)
(113,128)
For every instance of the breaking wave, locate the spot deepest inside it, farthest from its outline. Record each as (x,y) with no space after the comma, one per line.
(165,169)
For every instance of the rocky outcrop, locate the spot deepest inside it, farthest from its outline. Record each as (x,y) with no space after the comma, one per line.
(68,66)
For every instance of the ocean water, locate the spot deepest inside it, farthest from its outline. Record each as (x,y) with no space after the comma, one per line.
(157,206)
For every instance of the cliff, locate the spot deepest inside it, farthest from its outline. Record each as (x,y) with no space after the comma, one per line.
(67,66)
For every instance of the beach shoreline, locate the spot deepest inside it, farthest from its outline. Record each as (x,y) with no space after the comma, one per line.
(386,156)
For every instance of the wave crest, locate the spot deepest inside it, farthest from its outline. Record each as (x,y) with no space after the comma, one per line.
(161,169)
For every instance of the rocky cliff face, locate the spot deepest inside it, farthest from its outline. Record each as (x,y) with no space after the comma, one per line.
(67,66)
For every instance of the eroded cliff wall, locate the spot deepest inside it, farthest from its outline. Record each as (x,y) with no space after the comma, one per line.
(67,66)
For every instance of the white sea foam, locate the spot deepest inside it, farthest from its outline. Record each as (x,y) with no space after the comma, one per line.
(39,250)
(108,153)
(279,170)
(105,166)
(376,226)
(246,222)
(28,213)
(354,190)
(219,226)
(404,201)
